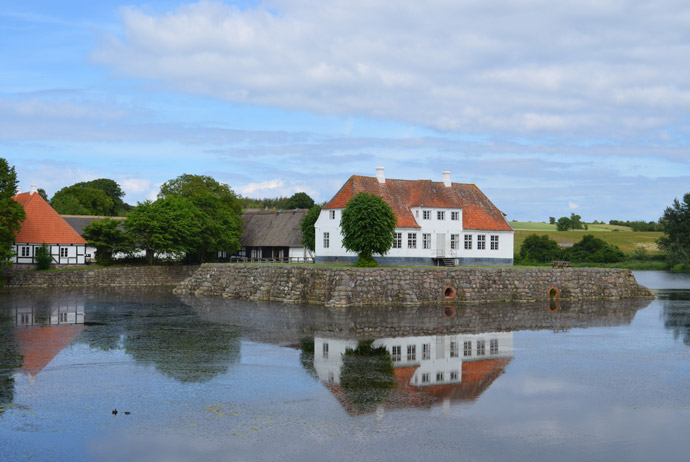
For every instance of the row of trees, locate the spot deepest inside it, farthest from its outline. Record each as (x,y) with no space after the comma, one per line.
(541,249)
(193,218)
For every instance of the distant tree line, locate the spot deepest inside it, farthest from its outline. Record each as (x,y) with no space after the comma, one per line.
(300,200)
(639,225)
(541,249)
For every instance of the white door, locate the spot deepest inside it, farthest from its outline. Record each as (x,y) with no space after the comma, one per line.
(440,245)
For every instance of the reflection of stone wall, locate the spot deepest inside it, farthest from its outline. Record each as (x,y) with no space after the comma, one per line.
(280,323)
(407,286)
(102,277)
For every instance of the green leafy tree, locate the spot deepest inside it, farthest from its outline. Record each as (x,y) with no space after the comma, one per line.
(300,200)
(594,250)
(167,226)
(552,220)
(367,226)
(216,210)
(108,237)
(11,213)
(79,200)
(307,228)
(676,239)
(563,224)
(539,249)
(42,192)
(43,258)
(575,221)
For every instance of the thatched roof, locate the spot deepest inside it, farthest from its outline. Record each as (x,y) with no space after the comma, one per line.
(272,228)
(79,222)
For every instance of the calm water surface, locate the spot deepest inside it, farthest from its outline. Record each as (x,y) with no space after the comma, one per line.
(211,379)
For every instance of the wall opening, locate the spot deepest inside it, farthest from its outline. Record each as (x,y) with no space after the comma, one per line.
(554,293)
(449,293)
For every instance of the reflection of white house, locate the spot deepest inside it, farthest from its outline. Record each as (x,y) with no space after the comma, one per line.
(43,225)
(42,332)
(437,223)
(427,368)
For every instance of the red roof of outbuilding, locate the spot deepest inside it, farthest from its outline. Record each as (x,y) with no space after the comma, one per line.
(43,223)
(402,195)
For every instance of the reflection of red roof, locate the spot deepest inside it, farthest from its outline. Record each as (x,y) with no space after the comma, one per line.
(402,195)
(477,376)
(39,345)
(43,224)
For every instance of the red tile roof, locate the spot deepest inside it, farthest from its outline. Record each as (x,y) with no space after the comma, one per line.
(402,195)
(43,224)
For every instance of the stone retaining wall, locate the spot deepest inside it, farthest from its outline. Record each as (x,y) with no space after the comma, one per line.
(333,286)
(129,276)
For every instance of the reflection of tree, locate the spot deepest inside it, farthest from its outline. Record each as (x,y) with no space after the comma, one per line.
(306,356)
(184,348)
(367,375)
(10,360)
(677,315)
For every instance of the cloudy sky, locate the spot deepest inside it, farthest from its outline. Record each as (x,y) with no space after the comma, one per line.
(549,107)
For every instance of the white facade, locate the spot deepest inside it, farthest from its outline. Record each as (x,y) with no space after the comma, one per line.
(440,236)
(63,254)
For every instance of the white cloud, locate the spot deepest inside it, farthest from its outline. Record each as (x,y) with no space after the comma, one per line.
(572,205)
(515,66)
(270,186)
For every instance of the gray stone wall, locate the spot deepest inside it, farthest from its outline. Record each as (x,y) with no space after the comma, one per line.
(130,276)
(334,286)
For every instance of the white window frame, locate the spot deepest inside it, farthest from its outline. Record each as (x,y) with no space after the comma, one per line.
(468,242)
(426,351)
(411,240)
(494,241)
(426,214)
(26,251)
(331,214)
(426,240)
(481,241)
(64,252)
(326,240)
(396,353)
(324,350)
(453,376)
(481,347)
(455,216)
(493,346)
(412,352)
(439,377)
(440,215)
(467,348)
(454,353)
(454,240)
(397,240)
(425,378)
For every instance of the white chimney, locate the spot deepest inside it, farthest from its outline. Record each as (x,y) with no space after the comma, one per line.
(19,191)
(379,175)
(34,189)
(446,178)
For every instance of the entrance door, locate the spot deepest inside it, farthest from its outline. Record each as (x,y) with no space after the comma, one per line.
(441,245)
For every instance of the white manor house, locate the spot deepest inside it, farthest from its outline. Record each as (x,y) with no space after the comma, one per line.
(438,223)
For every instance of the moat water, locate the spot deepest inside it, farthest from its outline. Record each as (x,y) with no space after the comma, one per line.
(212,379)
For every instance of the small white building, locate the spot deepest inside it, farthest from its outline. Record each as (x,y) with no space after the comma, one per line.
(437,223)
(44,225)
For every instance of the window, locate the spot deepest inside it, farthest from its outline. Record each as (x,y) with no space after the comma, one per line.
(26,251)
(25,319)
(494,242)
(426,241)
(62,317)
(411,352)
(453,376)
(411,240)
(481,347)
(426,214)
(439,376)
(397,241)
(440,215)
(468,242)
(426,351)
(455,216)
(324,350)
(481,242)
(331,214)
(396,353)
(64,253)
(493,346)
(454,239)
(326,240)
(467,348)
(425,377)
(454,349)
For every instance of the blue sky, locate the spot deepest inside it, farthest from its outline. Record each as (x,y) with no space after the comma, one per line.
(549,107)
